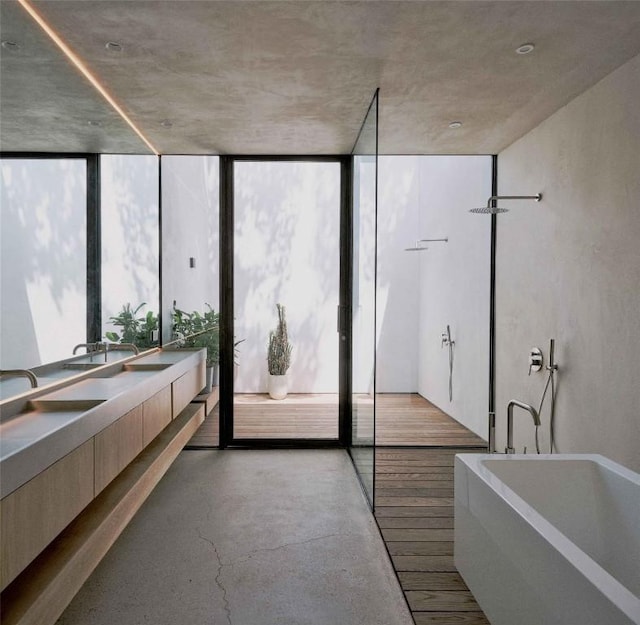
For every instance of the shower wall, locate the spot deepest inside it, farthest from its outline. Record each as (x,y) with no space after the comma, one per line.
(454,286)
(576,255)
(419,293)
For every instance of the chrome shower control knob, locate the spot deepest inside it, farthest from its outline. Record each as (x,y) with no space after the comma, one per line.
(535,359)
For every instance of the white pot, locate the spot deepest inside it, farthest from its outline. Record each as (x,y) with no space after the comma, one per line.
(278,386)
(212,379)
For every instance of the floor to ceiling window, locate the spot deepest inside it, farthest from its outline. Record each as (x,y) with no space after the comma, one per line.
(43,219)
(129,225)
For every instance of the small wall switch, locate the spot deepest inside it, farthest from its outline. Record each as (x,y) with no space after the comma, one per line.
(192,262)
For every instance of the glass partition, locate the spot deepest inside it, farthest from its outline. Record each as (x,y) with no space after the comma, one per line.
(43,224)
(433,300)
(365,181)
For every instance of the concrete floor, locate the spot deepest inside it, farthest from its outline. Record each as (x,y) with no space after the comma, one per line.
(243,538)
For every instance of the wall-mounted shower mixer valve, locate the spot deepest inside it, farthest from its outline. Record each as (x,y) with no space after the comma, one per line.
(535,359)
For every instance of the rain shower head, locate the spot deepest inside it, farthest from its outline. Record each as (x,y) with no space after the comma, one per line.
(488,210)
(494,210)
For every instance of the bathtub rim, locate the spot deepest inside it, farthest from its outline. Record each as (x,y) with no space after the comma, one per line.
(618,594)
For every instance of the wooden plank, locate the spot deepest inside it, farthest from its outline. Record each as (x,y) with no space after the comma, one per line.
(440,481)
(413,485)
(210,400)
(450,618)
(34,514)
(415,535)
(402,419)
(441,600)
(431,581)
(414,492)
(45,588)
(438,461)
(415,522)
(442,564)
(416,472)
(422,548)
(413,511)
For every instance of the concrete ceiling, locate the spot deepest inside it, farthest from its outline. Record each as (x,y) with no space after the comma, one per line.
(296,77)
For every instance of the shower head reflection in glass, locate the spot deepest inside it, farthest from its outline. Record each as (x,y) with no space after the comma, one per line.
(420,248)
(492,209)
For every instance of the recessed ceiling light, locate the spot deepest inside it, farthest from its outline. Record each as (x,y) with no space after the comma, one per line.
(525,48)
(166,123)
(113,46)
(10,45)
(455,125)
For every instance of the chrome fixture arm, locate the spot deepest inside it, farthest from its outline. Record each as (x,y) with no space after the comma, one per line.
(419,248)
(492,209)
(20,373)
(530,409)
(123,347)
(494,198)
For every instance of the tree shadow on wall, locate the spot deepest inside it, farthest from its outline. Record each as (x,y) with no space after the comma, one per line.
(43,240)
(274,219)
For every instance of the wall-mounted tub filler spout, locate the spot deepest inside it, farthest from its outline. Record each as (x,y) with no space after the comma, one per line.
(530,409)
(20,373)
(419,248)
(492,209)
(123,347)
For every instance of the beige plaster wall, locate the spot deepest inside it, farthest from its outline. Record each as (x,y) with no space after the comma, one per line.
(569,268)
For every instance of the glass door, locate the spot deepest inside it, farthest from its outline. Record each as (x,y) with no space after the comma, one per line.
(363,362)
(286,289)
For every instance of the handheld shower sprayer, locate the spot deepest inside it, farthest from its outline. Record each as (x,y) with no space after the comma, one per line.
(552,368)
(449,342)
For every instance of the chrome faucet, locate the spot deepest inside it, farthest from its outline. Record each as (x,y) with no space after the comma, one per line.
(530,409)
(123,347)
(20,373)
(91,349)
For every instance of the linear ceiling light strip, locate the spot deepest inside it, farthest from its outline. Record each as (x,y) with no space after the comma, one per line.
(83,69)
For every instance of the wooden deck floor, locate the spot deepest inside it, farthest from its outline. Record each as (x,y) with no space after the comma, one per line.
(414,509)
(402,419)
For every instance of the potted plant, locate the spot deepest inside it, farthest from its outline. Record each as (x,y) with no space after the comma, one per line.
(279,357)
(139,331)
(200,330)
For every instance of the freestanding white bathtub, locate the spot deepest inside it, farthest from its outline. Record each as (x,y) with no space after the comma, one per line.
(549,539)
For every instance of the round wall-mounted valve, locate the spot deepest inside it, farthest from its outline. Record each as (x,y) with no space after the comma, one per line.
(535,359)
